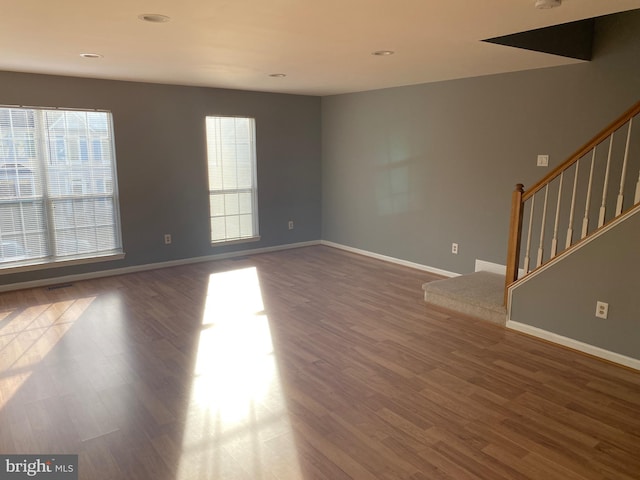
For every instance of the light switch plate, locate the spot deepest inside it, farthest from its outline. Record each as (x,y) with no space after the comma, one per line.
(543,160)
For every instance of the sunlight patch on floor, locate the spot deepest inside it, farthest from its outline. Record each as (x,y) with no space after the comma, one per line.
(28,335)
(237,424)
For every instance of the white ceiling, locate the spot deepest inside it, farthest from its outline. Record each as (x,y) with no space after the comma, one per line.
(324,47)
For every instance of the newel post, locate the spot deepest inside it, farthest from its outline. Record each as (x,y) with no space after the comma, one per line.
(515,232)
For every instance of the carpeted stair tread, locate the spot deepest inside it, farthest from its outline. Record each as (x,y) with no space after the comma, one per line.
(478,294)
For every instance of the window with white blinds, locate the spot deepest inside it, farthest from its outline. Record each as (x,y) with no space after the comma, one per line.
(58,191)
(233,203)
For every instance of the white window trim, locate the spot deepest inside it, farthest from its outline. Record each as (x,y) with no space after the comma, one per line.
(53,261)
(236,241)
(253,189)
(44,265)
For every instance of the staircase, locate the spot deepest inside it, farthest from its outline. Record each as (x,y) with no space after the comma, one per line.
(478,294)
(594,189)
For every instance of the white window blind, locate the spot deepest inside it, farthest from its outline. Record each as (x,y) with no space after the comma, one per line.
(231,154)
(58,189)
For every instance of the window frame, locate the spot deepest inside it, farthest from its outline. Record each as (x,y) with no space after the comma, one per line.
(252,189)
(43,163)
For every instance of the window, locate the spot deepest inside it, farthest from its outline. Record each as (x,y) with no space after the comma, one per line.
(58,198)
(233,204)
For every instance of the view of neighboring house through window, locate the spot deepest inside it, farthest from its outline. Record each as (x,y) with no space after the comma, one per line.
(231,153)
(58,191)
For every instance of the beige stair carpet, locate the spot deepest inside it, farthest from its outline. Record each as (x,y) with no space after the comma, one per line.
(478,294)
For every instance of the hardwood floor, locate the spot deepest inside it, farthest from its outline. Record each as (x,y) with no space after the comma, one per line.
(310,363)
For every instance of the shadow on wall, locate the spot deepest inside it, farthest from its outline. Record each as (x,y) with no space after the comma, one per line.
(392,189)
(393,179)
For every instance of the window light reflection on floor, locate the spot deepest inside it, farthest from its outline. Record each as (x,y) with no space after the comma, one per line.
(237,422)
(29,334)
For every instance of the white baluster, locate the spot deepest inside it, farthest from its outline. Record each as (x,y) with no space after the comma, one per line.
(544,219)
(585,220)
(606,183)
(527,256)
(637,197)
(554,241)
(624,171)
(573,206)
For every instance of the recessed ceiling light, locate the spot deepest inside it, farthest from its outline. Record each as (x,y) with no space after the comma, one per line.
(278,75)
(545,4)
(153,18)
(91,55)
(383,53)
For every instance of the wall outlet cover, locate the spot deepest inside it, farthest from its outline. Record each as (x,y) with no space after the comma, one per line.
(602,309)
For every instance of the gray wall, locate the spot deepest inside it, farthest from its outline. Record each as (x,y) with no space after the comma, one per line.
(161,160)
(404,171)
(407,171)
(563,298)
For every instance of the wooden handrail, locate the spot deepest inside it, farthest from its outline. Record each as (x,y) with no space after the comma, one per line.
(515,229)
(633,111)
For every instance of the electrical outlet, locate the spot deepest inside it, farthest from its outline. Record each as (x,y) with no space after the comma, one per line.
(290,224)
(602,309)
(543,161)
(454,248)
(167,239)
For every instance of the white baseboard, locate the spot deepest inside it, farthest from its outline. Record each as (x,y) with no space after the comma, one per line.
(150,266)
(483,265)
(386,258)
(575,344)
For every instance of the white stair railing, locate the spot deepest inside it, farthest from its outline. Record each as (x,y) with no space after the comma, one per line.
(600,170)
(624,170)
(585,220)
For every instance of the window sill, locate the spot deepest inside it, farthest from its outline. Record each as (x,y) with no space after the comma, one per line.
(43,265)
(223,243)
